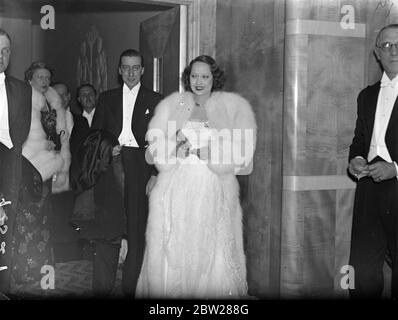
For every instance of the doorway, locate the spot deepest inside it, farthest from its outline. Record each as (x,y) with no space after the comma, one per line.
(87,26)
(163,46)
(77,22)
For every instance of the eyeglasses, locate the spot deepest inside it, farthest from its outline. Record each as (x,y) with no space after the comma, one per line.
(127,69)
(387,46)
(43,78)
(5,51)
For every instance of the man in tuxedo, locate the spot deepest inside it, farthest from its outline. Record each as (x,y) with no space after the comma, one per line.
(373,161)
(126,112)
(86,96)
(99,213)
(15,120)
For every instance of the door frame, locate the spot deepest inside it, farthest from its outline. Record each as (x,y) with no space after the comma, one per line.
(192,9)
(197,43)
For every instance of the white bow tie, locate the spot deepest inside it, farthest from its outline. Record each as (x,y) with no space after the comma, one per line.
(388,84)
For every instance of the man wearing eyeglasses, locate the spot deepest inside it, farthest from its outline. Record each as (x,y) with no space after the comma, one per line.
(373,159)
(125,112)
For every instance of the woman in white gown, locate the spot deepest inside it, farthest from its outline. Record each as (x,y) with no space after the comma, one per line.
(199,140)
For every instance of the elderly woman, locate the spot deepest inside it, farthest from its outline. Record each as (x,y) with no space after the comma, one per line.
(47,146)
(45,170)
(199,140)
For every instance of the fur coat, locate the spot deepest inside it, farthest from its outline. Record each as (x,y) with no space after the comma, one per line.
(36,149)
(226,113)
(230,116)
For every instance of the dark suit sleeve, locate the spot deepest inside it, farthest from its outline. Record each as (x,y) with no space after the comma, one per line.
(358,147)
(99,115)
(79,132)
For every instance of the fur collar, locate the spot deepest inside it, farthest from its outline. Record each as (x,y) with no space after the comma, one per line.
(225,110)
(49,163)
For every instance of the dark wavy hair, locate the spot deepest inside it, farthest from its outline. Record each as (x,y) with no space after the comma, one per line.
(131,53)
(218,74)
(36,66)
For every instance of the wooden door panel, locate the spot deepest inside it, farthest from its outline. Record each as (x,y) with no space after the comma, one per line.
(160,38)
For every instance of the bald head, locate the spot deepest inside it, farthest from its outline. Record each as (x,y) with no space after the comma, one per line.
(63,91)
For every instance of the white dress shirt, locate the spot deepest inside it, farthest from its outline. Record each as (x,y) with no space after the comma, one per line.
(385,103)
(126,137)
(89,116)
(5,137)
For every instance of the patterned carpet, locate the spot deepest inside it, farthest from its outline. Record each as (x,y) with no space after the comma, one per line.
(72,280)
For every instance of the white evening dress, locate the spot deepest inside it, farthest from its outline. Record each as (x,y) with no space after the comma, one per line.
(192,251)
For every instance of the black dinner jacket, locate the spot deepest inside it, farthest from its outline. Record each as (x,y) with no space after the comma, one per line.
(79,132)
(367,104)
(109,112)
(19,98)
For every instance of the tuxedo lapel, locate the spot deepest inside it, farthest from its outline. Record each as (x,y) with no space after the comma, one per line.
(394,115)
(138,108)
(19,99)
(118,109)
(370,115)
(391,127)
(139,102)
(14,110)
(370,111)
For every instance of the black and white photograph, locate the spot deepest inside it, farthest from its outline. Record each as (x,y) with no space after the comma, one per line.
(217,153)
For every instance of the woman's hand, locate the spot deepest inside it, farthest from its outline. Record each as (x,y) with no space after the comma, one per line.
(50,145)
(63,137)
(203,153)
(182,149)
(183,145)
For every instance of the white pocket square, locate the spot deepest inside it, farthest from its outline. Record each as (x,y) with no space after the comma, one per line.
(147,111)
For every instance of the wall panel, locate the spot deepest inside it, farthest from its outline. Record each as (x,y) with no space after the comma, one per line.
(326,66)
(249,45)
